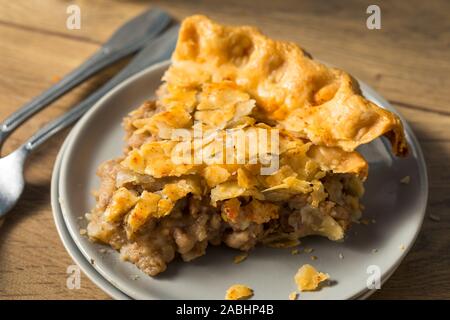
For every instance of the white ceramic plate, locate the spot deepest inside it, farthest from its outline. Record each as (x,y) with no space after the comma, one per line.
(398,210)
(78,257)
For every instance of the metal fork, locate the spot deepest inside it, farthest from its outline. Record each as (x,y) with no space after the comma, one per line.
(129,38)
(11,166)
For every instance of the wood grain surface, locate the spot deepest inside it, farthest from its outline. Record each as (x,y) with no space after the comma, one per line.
(407,61)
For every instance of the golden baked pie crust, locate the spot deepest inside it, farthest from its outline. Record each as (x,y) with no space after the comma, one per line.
(303,96)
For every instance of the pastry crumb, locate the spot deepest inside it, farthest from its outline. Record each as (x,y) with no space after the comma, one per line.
(405,180)
(402,247)
(295,251)
(434,217)
(293,295)
(239,258)
(283,244)
(308,278)
(341,256)
(313,258)
(83,232)
(238,292)
(135,277)
(308,250)
(55,79)
(364,221)
(103,251)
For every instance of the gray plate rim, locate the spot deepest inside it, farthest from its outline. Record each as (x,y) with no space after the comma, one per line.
(67,239)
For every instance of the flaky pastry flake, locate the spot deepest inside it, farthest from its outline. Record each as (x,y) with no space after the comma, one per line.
(308,278)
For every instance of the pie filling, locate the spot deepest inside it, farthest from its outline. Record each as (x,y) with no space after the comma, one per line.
(225,80)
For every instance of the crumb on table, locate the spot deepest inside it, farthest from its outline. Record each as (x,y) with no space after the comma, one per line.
(283,244)
(434,217)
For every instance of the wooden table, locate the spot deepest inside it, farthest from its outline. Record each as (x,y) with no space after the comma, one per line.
(407,61)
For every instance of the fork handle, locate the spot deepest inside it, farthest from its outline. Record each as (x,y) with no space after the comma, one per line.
(95,63)
(71,116)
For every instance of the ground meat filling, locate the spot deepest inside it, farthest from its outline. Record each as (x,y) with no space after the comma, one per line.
(193,224)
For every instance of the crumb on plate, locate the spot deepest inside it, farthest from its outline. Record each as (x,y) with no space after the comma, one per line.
(364,221)
(293,295)
(308,250)
(405,180)
(283,244)
(308,278)
(240,257)
(238,292)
